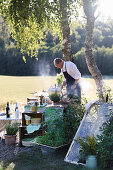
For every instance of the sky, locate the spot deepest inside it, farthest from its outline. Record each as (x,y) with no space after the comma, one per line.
(105,9)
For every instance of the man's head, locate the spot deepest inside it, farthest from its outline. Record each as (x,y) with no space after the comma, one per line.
(58,63)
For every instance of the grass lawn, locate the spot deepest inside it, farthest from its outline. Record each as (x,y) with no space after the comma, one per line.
(36,161)
(13,88)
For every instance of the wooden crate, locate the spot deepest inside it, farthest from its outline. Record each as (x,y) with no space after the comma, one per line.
(22,129)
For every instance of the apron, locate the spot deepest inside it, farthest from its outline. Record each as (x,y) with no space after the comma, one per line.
(70,81)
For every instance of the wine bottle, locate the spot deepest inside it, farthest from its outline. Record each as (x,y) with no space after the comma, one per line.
(36,107)
(41,100)
(106,98)
(7,110)
(16,111)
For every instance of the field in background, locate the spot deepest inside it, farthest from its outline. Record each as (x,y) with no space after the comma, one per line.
(89,86)
(14,88)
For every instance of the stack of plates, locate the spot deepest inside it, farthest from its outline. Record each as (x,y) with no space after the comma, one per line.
(35,121)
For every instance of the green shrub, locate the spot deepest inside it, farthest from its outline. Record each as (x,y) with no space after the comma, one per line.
(51,138)
(54,135)
(55,97)
(88,145)
(107,95)
(11,129)
(105,145)
(59,79)
(62,127)
(72,116)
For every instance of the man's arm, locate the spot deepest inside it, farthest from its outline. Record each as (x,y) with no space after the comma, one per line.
(64,81)
(74,85)
(64,84)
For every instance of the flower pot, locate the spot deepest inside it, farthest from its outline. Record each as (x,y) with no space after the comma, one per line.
(10,140)
(91,162)
(49,150)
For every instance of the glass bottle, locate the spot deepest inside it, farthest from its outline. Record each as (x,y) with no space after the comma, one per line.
(41,100)
(106,98)
(7,110)
(35,110)
(16,111)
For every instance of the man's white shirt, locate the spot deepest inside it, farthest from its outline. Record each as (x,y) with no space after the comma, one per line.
(71,69)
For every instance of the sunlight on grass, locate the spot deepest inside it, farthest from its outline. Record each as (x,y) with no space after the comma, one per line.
(14,88)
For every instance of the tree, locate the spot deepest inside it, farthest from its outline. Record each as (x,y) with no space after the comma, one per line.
(30,19)
(89,10)
(67,54)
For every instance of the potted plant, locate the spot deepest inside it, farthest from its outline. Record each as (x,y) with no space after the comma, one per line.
(54,93)
(10,136)
(55,97)
(52,143)
(88,150)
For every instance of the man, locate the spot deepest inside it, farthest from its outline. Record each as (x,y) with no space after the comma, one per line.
(71,76)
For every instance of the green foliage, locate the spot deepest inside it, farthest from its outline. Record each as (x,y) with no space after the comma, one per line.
(11,129)
(29,20)
(84,100)
(105,144)
(59,79)
(50,113)
(104,60)
(88,145)
(55,97)
(103,57)
(72,116)
(61,128)
(11,62)
(107,95)
(54,135)
(51,139)
(54,122)
(102,146)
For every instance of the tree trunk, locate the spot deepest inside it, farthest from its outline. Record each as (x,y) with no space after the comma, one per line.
(67,53)
(95,72)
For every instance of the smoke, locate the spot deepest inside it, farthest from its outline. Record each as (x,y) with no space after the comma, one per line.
(44,68)
(86,86)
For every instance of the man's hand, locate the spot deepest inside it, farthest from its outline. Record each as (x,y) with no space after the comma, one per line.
(64,84)
(73,86)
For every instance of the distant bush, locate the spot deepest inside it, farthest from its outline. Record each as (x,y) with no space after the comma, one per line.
(103,57)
